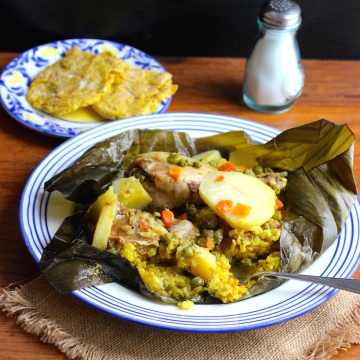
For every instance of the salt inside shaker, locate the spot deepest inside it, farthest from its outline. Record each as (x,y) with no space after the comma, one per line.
(274,76)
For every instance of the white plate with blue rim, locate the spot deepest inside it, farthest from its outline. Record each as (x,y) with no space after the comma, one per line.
(17,76)
(41,213)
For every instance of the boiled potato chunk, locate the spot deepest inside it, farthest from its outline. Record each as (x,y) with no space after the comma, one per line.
(93,213)
(131,193)
(102,214)
(243,201)
(201,262)
(208,156)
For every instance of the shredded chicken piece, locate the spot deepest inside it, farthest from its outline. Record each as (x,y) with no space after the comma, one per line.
(276,180)
(184,229)
(152,170)
(134,226)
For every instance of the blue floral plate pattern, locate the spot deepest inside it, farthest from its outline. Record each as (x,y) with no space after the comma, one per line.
(17,76)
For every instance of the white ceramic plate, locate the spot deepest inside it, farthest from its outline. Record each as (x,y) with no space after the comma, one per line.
(42,213)
(18,74)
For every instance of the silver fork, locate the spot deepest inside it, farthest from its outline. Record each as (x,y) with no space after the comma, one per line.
(338,283)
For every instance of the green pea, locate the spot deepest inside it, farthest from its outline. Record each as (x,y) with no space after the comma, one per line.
(187,252)
(166,284)
(177,294)
(212,222)
(249,172)
(197,281)
(208,233)
(167,238)
(258,169)
(174,159)
(218,236)
(201,241)
(184,162)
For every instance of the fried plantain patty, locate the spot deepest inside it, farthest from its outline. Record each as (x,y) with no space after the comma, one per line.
(79,79)
(140,93)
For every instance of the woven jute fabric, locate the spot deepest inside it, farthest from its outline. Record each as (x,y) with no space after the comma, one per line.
(82,332)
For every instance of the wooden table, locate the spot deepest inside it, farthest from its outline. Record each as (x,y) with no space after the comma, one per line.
(332,91)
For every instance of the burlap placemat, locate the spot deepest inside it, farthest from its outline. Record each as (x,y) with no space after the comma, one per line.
(82,332)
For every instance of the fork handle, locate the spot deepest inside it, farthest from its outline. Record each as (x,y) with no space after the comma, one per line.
(352,285)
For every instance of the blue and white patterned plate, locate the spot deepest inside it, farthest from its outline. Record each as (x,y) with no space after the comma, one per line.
(19,73)
(41,213)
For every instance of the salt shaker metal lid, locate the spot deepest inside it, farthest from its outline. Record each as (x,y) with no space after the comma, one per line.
(281,14)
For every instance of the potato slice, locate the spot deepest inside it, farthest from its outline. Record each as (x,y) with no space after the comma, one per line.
(131,193)
(243,201)
(102,214)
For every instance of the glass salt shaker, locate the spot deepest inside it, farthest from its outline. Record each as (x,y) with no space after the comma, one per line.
(274,76)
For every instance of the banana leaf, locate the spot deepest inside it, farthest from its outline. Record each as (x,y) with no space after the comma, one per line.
(93,172)
(320,193)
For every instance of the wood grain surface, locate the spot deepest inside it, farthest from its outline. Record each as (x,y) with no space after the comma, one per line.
(332,91)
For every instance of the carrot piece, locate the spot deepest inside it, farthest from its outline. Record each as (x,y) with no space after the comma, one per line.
(241,210)
(167,216)
(228,166)
(220,178)
(224,206)
(243,168)
(209,244)
(143,225)
(175,172)
(182,216)
(278,204)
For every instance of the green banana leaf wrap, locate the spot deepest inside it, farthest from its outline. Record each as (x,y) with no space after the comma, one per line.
(320,193)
